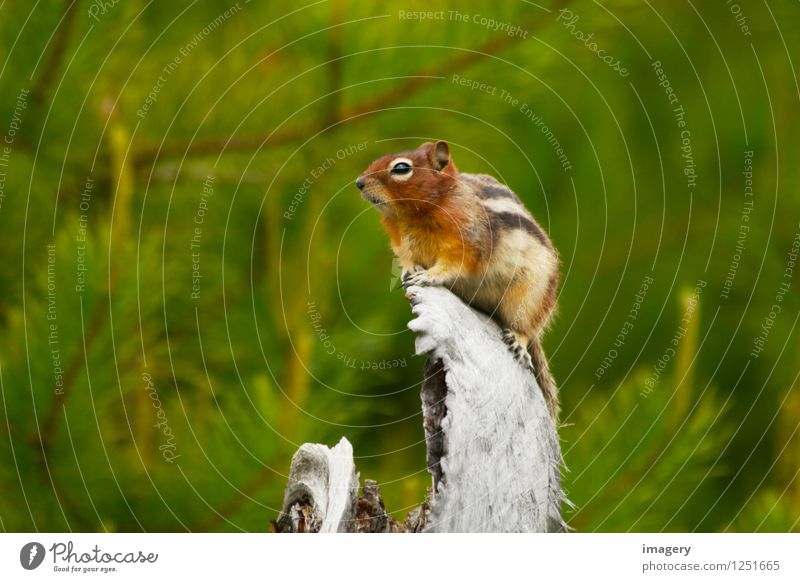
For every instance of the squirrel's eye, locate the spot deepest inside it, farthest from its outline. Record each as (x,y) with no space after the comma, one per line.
(401,168)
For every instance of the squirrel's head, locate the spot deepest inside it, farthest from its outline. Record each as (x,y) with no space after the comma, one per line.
(408,178)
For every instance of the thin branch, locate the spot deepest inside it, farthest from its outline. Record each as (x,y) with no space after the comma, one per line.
(123,191)
(55,411)
(47,75)
(407,89)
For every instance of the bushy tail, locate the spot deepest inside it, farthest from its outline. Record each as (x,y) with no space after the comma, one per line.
(545,378)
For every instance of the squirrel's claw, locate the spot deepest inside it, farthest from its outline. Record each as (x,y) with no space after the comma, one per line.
(419,277)
(519,351)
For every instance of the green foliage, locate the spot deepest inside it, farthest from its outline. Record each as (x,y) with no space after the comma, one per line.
(296,333)
(643,452)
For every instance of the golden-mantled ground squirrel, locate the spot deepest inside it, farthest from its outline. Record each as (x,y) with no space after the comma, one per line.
(472,234)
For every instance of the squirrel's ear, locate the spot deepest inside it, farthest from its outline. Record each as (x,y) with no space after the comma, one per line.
(440,156)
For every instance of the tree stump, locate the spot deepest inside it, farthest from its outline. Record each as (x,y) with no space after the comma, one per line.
(492,449)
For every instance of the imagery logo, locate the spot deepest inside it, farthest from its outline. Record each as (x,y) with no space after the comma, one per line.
(31,555)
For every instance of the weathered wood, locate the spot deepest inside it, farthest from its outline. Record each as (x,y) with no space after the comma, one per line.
(492,448)
(371,516)
(322,490)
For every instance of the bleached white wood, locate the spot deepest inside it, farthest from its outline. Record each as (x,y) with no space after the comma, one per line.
(325,480)
(499,456)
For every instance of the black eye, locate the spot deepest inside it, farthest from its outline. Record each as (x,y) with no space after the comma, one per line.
(401,168)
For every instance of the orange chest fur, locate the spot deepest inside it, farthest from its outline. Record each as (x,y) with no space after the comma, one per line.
(435,240)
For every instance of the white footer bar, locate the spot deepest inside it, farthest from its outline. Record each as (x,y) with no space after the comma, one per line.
(403,557)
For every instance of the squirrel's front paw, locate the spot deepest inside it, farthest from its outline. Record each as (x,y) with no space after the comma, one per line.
(418,277)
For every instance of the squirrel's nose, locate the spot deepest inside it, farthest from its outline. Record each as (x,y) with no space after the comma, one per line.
(360,183)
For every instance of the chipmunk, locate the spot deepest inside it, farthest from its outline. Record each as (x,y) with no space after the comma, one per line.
(472,234)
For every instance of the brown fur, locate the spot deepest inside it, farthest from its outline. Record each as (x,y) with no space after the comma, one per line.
(472,234)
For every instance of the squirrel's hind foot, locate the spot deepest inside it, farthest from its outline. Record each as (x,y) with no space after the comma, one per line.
(518,349)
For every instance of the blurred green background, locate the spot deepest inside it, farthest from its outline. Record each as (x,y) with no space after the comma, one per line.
(192,286)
